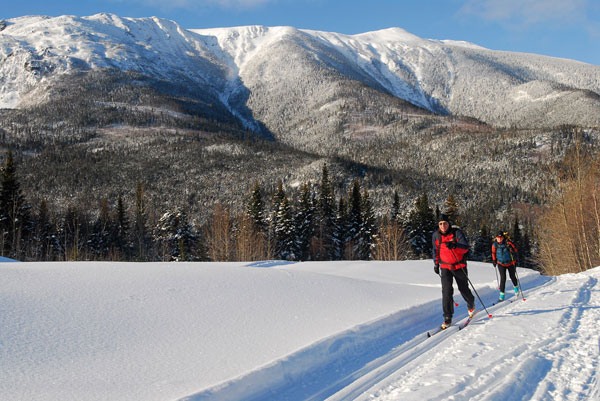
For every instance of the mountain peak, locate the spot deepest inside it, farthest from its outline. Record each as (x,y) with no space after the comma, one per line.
(391,34)
(440,75)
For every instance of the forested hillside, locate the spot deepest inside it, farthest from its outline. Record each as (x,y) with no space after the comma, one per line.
(184,123)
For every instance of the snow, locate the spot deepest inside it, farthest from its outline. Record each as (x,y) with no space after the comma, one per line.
(440,75)
(276,330)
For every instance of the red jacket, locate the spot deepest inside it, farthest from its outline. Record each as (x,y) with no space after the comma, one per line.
(448,258)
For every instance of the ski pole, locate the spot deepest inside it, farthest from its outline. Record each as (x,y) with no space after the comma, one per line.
(474,290)
(519,282)
(497,279)
(518,278)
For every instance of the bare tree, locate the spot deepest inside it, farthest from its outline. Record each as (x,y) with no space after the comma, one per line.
(391,243)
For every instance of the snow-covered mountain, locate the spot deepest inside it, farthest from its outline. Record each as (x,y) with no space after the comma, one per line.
(280,76)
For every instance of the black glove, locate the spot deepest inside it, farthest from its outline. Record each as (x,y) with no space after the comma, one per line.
(495,264)
(436,269)
(451,245)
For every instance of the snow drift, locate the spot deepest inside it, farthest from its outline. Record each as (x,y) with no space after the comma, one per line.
(272,330)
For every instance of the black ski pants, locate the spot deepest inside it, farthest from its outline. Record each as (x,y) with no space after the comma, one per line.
(462,282)
(512,271)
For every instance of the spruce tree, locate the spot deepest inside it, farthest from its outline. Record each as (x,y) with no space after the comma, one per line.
(525,253)
(420,226)
(340,234)
(326,218)
(516,236)
(305,223)
(256,209)
(395,212)
(45,236)
(277,201)
(102,239)
(368,230)
(140,228)
(73,235)
(285,233)
(122,229)
(482,244)
(355,219)
(176,238)
(15,221)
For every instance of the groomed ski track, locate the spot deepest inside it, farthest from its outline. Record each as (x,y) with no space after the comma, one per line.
(390,359)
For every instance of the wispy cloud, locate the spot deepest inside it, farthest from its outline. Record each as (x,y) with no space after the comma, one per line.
(527,12)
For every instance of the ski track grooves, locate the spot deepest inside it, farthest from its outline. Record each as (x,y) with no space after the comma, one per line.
(567,353)
(544,369)
(363,360)
(327,366)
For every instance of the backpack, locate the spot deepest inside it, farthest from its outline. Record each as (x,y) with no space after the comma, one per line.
(503,252)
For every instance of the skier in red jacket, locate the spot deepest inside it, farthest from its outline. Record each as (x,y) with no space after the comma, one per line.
(450,247)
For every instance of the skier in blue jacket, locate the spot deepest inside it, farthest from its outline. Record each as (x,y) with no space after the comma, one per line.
(504,257)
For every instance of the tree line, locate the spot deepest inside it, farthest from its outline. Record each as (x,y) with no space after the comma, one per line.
(309,222)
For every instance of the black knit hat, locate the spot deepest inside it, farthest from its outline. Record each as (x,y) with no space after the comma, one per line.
(444,217)
(500,234)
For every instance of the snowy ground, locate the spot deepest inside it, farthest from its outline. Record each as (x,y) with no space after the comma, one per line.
(278,331)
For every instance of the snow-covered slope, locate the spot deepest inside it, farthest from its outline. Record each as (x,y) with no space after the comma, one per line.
(35,49)
(271,330)
(259,66)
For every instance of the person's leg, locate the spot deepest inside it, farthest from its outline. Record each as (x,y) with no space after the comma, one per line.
(447,294)
(512,271)
(462,281)
(502,271)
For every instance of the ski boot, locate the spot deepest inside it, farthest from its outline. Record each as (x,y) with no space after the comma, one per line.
(516,290)
(501,298)
(447,323)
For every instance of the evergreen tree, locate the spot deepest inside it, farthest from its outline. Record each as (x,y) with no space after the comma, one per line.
(122,230)
(177,239)
(140,229)
(15,220)
(256,209)
(420,226)
(395,213)
(103,232)
(285,233)
(355,219)
(525,253)
(482,244)
(305,223)
(340,234)
(516,236)
(274,225)
(326,221)
(368,229)
(45,236)
(74,233)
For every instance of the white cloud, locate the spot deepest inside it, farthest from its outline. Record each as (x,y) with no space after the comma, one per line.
(527,12)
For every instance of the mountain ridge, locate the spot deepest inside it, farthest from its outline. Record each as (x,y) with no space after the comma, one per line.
(442,76)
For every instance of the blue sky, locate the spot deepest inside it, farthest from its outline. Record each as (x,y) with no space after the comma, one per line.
(559,28)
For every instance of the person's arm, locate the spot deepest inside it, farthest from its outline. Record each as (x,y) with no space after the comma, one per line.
(434,252)
(461,241)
